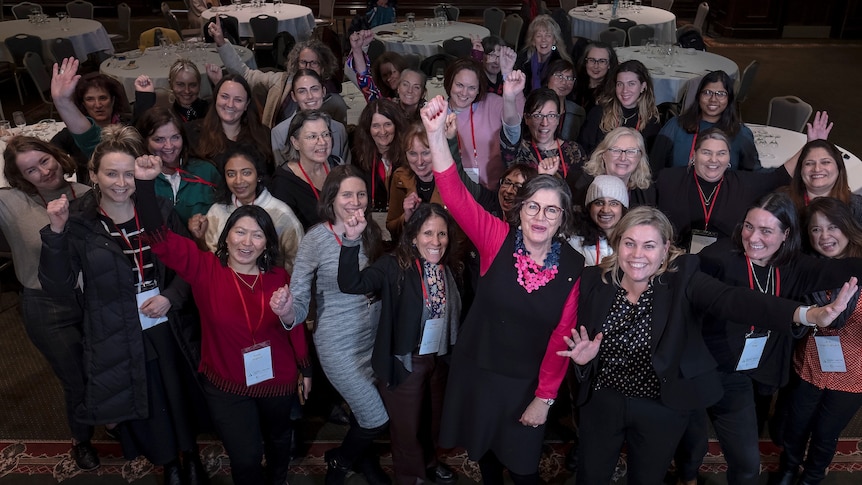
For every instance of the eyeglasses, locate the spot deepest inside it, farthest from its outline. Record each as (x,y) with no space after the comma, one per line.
(551,212)
(317,136)
(508,184)
(562,77)
(600,62)
(547,116)
(630,153)
(491,56)
(307,64)
(708,93)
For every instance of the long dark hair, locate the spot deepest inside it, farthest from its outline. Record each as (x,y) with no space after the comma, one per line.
(372,238)
(729,122)
(781,207)
(109,85)
(839,214)
(841,189)
(157,117)
(223,193)
(406,251)
(583,91)
(366,149)
(267,259)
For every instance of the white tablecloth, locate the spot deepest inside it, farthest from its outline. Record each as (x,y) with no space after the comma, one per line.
(296,19)
(87,36)
(154,63)
(588,23)
(44,130)
(427,41)
(356,101)
(688,63)
(776,145)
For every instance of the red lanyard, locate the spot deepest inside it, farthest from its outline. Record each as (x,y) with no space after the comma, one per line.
(707,213)
(693,142)
(751,279)
(308,179)
(71,189)
(379,169)
(245,307)
(425,289)
(559,151)
(806,199)
(598,251)
(473,136)
(337,239)
(194,179)
(139,259)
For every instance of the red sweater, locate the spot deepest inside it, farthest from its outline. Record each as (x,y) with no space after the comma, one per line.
(233,318)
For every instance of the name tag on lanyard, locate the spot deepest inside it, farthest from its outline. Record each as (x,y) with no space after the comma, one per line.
(142,297)
(752,352)
(830,354)
(701,239)
(431,336)
(257,360)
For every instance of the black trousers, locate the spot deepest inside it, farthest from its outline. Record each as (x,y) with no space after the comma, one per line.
(250,427)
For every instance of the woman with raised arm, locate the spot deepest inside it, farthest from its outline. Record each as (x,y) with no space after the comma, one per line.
(505,371)
(184,81)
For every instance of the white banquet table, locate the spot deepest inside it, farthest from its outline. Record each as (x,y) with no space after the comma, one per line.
(427,41)
(155,63)
(687,64)
(87,36)
(44,130)
(588,23)
(776,145)
(296,19)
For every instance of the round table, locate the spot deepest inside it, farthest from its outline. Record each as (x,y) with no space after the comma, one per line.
(43,130)
(427,41)
(668,81)
(155,62)
(588,23)
(296,19)
(86,35)
(776,145)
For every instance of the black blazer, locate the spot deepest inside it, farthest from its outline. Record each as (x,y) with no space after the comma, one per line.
(685,367)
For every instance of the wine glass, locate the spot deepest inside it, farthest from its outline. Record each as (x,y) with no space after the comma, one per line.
(20,120)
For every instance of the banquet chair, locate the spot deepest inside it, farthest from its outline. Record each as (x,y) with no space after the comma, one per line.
(613,37)
(745,82)
(413,61)
(281,47)
(688,94)
(700,17)
(174,23)
(451,12)
(788,112)
(264,28)
(62,48)
(511,31)
(569,4)
(229,28)
(641,34)
(663,4)
(460,47)
(622,23)
(39,74)
(325,14)
(430,64)
(565,22)
(80,9)
(493,18)
(124,25)
(376,48)
(19,45)
(23,9)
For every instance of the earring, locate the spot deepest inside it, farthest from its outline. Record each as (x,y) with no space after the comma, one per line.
(554,47)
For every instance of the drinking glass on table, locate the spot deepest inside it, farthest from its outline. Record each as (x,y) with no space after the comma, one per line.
(20,120)
(5,128)
(439,76)
(276,6)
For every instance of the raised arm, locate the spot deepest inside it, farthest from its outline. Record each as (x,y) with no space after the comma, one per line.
(64,79)
(512,86)
(818,129)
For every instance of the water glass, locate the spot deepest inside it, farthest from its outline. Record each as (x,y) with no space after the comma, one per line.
(276,6)
(20,120)
(237,4)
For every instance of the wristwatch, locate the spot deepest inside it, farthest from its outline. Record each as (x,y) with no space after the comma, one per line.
(549,402)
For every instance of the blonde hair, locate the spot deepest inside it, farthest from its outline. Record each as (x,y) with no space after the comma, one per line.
(545,22)
(117,139)
(641,178)
(641,216)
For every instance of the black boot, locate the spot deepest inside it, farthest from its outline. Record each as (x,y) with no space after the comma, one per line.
(785,477)
(196,473)
(173,473)
(336,469)
(85,456)
(369,465)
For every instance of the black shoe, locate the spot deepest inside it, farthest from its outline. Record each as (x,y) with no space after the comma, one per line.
(782,478)
(196,473)
(336,471)
(441,474)
(85,456)
(173,473)
(369,466)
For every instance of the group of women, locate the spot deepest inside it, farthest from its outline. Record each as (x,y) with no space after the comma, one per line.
(532,218)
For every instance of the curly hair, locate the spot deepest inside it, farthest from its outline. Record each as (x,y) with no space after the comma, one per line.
(20,144)
(328,62)
(110,85)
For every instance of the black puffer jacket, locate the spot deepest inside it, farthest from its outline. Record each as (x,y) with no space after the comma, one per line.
(114,358)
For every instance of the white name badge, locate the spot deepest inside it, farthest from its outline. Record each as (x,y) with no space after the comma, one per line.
(473,173)
(148,322)
(751,353)
(258,363)
(701,239)
(830,354)
(431,336)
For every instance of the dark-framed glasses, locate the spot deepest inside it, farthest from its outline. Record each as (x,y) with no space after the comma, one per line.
(563,77)
(546,116)
(708,93)
(629,152)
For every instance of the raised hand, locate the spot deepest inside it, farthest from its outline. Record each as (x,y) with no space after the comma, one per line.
(549,166)
(581,349)
(824,316)
(198,225)
(144,84)
(820,127)
(148,167)
(281,304)
(411,202)
(477,43)
(451,125)
(433,115)
(213,72)
(507,60)
(216,31)
(354,225)
(514,84)
(64,79)
(58,213)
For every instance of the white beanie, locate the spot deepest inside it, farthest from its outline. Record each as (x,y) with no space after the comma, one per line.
(608,186)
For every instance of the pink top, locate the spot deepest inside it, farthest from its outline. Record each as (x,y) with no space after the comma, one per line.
(488,234)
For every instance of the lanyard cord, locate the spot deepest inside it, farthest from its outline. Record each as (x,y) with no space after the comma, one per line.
(139,259)
(308,179)
(245,307)
(559,151)
(707,213)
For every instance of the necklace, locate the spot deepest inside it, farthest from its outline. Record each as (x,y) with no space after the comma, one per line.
(249,286)
(707,200)
(763,289)
(627,118)
(531,276)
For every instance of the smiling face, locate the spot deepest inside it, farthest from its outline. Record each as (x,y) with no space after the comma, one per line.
(313,142)
(562,82)
(241,178)
(598,63)
(308,59)
(166,143)
(352,197)
(711,160)
(629,89)
(544,130)
(382,132)
(390,75)
(623,165)
(762,236)
(433,239)
(308,93)
(410,88)
(245,242)
(231,102)
(712,107)
(640,254)
(116,177)
(186,87)
(99,105)
(826,238)
(606,212)
(419,158)
(465,88)
(40,169)
(543,41)
(538,230)
(819,172)
(492,63)
(509,187)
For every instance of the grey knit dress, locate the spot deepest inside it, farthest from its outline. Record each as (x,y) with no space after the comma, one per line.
(346,324)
